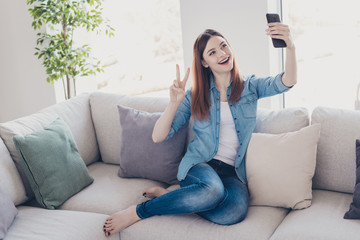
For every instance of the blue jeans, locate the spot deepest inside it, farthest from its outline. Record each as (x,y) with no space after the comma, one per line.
(212,190)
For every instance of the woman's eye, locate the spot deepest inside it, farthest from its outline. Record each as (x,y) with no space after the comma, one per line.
(224,45)
(211,53)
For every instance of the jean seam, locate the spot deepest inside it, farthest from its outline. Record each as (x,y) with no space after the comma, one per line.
(226,196)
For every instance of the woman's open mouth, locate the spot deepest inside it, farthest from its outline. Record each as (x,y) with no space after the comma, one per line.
(224,61)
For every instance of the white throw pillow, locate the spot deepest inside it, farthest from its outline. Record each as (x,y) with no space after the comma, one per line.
(280,168)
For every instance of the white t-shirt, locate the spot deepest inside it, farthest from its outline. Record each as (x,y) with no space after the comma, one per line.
(228,141)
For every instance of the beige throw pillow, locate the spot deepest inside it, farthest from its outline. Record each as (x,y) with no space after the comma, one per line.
(280,168)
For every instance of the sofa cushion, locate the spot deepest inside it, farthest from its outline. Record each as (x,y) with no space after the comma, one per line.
(280,167)
(109,193)
(259,224)
(10,181)
(75,112)
(42,224)
(8,213)
(106,119)
(322,221)
(52,164)
(354,211)
(335,161)
(281,121)
(140,156)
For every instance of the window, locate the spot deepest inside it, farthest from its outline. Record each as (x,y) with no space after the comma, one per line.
(327,38)
(141,57)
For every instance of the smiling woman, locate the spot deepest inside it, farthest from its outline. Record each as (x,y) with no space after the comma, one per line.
(212,173)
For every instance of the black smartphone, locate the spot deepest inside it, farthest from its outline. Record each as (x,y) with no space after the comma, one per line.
(274,17)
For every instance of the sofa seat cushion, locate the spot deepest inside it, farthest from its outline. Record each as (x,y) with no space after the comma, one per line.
(109,193)
(322,221)
(259,224)
(42,224)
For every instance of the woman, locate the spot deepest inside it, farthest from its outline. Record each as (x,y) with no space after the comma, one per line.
(223,106)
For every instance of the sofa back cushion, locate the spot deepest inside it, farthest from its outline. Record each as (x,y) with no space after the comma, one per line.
(335,166)
(10,181)
(75,112)
(108,130)
(105,115)
(281,121)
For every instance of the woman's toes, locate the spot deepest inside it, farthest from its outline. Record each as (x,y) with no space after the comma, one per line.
(112,232)
(154,192)
(108,227)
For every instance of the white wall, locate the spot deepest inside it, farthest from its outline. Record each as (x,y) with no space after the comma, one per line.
(23,86)
(242,22)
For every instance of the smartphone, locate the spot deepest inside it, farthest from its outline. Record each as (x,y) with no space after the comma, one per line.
(274,17)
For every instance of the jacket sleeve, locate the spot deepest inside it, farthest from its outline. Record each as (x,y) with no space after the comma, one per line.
(182,115)
(268,86)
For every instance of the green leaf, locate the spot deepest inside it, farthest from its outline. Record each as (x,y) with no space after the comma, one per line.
(58,56)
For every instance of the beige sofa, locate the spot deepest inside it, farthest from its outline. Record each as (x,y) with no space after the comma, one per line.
(94,122)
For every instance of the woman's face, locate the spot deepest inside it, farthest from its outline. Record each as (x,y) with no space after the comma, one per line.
(218,55)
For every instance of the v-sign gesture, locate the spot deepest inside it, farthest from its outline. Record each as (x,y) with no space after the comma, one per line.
(177,89)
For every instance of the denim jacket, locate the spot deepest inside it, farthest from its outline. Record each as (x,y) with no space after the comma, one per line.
(204,145)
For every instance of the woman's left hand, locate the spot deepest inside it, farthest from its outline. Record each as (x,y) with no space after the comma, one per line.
(280,31)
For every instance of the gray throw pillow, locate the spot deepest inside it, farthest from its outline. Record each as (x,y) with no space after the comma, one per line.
(354,211)
(8,213)
(140,156)
(52,164)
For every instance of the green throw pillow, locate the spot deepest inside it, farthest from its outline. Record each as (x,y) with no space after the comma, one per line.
(52,164)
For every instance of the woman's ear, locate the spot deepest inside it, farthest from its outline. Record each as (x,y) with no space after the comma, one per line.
(204,64)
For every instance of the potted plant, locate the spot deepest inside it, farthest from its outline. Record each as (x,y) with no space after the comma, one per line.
(60,57)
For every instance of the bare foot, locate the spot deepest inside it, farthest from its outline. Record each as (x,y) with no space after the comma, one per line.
(120,220)
(154,192)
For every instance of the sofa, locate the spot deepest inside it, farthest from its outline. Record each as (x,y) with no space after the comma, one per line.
(93,119)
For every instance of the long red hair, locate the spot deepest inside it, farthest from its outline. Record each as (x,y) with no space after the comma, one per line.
(200,99)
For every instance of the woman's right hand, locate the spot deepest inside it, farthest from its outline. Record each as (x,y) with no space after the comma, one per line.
(177,89)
